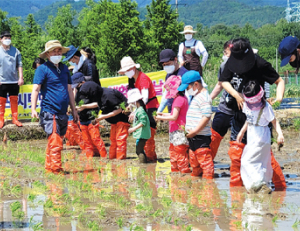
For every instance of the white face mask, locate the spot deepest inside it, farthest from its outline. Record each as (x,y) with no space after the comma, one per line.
(192,92)
(169,69)
(130,74)
(72,64)
(188,36)
(7,42)
(225,58)
(55,59)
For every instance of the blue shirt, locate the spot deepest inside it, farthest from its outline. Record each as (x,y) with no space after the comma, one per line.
(54,87)
(10,61)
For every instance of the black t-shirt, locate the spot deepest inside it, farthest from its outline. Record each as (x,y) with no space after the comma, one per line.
(89,92)
(109,101)
(262,71)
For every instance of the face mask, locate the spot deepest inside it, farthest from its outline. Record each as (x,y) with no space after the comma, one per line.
(169,69)
(55,59)
(72,64)
(188,36)
(225,58)
(7,42)
(192,92)
(130,74)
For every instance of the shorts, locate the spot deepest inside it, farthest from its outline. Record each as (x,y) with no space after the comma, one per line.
(222,122)
(199,141)
(46,121)
(10,89)
(237,124)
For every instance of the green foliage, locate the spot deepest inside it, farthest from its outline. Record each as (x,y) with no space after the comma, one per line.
(123,106)
(16,210)
(80,103)
(161,31)
(115,29)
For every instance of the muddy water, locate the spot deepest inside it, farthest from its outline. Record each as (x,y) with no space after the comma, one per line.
(125,195)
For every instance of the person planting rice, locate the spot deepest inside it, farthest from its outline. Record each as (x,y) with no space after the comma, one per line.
(86,97)
(137,79)
(248,66)
(178,149)
(54,80)
(110,102)
(141,125)
(198,125)
(256,169)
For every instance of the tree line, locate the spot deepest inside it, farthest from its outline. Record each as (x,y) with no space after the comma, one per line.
(114,30)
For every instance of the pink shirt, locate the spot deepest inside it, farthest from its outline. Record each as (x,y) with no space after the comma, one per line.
(182,103)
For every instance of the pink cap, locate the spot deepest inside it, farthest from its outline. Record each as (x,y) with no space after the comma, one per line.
(171,85)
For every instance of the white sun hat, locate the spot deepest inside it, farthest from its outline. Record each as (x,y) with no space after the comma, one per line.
(134,95)
(128,63)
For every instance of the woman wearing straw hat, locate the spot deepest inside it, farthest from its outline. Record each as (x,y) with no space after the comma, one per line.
(54,80)
(190,51)
(138,79)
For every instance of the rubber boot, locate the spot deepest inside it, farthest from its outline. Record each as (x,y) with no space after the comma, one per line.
(278,177)
(48,158)
(70,139)
(96,139)
(204,158)
(113,142)
(215,143)
(173,159)
(150,147)
(55,146)
(77,135)
(2,111)
(235,153)
(88,143)
(197,170)
(14,110)
(182,158)
(121,137)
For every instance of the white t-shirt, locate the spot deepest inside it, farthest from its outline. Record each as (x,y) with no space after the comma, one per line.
(266,117)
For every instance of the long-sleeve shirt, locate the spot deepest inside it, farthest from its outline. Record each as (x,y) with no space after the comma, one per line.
(199,49)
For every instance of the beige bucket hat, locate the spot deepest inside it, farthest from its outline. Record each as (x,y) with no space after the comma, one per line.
(127,63)
(188,29)
(51,45)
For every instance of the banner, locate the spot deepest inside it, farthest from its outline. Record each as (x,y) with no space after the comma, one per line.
(119,83)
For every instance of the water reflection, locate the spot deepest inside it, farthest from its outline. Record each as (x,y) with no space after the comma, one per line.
(100,193)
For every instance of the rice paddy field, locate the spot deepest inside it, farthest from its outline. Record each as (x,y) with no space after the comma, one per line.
(124,195)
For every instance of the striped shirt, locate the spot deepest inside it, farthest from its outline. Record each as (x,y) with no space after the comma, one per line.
(199,107)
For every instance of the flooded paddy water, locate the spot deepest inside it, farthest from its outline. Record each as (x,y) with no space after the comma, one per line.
(124,195)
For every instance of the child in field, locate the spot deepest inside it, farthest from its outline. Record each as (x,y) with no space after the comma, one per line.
(198,125)
(141,125)
(178,149)
(256,169)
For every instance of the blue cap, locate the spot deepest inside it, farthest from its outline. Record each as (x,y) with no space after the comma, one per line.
(187,78)
(70,53)
(286,49)
(77,78)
